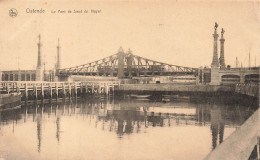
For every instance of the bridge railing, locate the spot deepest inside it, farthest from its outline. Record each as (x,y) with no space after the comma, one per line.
(246,69)
(250,89)
(11,86)
(43,90)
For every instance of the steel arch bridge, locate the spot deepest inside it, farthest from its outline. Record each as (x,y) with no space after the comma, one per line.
(123,65)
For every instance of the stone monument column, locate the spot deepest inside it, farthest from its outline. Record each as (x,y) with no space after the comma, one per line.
(215,64)
(222,57)
(39,68)
(58,63)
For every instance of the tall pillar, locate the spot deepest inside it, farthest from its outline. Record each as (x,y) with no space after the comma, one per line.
(214,62)
(222,57)
(58,55)
(39,62)
(39,69)
(121,63)
(215,65)
(58,63)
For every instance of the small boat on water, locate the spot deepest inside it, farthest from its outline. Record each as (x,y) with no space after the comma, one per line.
(10,100)
(181,97)
(168,98)
(140,96)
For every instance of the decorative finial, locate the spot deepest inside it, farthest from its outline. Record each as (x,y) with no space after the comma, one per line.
(39,38)
(222,32)
(120,49)
(216,26)
(129,51)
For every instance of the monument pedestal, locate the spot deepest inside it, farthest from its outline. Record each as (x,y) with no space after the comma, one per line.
(215,79)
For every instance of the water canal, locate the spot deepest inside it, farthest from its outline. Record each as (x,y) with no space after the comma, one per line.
(117,129)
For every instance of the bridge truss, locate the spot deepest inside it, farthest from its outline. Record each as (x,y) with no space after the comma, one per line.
(127,65)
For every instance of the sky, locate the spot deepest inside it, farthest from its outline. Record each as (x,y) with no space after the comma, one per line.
(177,32)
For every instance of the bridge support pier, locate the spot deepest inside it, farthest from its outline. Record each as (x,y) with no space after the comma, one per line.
(26,91)
(50,91)
(215,77)
(63,90)
(69,90)
(75,90)
(42,91)
(242,77)
(81,89)
(35,91)
(57,89)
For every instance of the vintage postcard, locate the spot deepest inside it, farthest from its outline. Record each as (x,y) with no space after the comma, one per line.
(129,80)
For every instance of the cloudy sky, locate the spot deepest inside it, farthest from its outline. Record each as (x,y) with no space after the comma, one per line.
(176,32)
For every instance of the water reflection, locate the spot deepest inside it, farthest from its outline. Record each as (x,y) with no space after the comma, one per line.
(39,133)
(126,117)
(217,125)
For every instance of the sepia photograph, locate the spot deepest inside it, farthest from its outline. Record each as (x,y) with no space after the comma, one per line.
(129,80)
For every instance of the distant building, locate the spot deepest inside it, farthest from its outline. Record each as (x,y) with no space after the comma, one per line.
(39,74)
(19,75)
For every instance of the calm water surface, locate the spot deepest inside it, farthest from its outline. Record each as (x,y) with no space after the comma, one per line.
(117,129)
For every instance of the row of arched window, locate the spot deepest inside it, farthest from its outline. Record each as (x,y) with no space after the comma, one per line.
(17,77)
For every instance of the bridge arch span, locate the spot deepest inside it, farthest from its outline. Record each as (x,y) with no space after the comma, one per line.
(230,78)
(254,78)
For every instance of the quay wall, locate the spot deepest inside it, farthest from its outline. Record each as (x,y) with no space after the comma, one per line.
(175,88)
(251,90)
